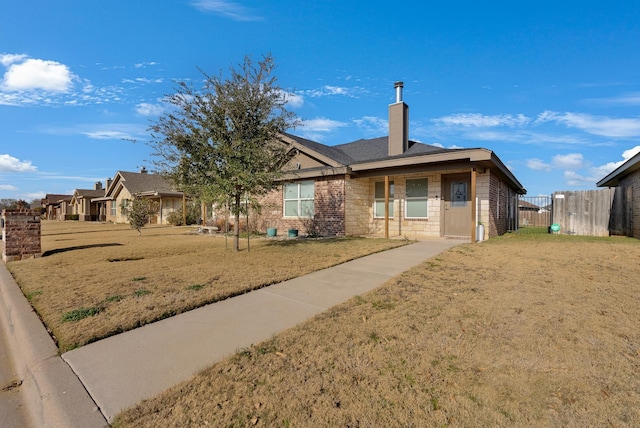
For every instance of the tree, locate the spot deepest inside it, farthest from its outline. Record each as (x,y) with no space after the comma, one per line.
(222,142)
(138,212)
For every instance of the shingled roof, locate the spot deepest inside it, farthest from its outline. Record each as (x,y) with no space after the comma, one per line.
(138,182)
(366,150)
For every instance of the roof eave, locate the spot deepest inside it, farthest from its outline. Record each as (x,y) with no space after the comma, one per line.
(613,179)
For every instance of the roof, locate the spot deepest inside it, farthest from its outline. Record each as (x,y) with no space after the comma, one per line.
(140,183)
(365,156)
(88,193)
(622,171)
(51,198)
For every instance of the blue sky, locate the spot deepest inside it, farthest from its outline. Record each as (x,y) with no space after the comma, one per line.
(553,88)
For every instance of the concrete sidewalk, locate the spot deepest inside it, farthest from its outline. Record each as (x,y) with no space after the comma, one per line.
(120,371)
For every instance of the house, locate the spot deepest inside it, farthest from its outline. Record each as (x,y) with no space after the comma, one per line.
(393,186)
(126,185)
(56,207)
(83,205)
(625,210)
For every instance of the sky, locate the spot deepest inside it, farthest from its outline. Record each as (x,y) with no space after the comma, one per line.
(553,88)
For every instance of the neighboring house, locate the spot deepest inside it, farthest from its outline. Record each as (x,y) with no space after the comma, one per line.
(84,207)
(625,210)
(127,185)
(430,192)
(56,206)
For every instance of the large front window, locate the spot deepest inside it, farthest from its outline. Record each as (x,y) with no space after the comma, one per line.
(378,206)
(298,199)
(114,207)
(417,192)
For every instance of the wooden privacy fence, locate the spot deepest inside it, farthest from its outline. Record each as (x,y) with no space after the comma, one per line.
(587,212)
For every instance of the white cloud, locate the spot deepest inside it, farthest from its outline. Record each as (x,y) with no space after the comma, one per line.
(228,9)
(293,100)
(329,90)
(574,179)
(596,125)
(33,196)
(373,125)
(571,161)
(27,74)
(8,59)
(10,164)
(480,120)
(538,165)
(322,124)
(107,135)
(605,169)
(629,99)
(147,109)
(8,187)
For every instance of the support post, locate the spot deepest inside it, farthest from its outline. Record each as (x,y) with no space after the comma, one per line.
(386,206)
(473,206)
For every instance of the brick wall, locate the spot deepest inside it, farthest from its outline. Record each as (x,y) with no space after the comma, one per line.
(632,181)
(20,235)
(498,206)
(329,207)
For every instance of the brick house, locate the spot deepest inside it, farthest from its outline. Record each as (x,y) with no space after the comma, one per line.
(626,200)
(127,185)
(56,207)
(392,186)
(83,204)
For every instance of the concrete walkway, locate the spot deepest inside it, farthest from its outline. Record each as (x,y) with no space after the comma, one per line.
(120,371)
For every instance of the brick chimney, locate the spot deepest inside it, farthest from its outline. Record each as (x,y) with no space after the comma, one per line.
(398,124)
(98,185)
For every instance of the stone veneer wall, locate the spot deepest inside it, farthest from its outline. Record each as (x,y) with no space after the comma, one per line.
(633,181)
(20,235)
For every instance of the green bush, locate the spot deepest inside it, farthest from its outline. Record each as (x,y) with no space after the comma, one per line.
(193,215)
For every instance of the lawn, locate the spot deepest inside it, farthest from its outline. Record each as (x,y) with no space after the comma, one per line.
(522,330)
(95,280)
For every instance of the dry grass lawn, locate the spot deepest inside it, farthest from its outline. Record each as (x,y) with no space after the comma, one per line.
(518,331)
(95,280)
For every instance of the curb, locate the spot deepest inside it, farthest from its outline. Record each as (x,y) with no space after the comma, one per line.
(52,394)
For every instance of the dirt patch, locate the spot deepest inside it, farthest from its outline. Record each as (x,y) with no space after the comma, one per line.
(518,331)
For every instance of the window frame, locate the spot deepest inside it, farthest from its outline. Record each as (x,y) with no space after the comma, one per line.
(377,200)
(424,198)
(299,199)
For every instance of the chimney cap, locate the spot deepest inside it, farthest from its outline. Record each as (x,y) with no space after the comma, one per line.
(398,84)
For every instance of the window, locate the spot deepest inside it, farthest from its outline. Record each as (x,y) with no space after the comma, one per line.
(378,205)
(298,199)
(114,207)
(417,191)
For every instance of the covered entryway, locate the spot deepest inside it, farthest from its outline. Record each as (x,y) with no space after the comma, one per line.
(456,195)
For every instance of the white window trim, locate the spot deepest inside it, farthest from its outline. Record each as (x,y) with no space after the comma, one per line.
(299,199)
(376,200)
(415,198)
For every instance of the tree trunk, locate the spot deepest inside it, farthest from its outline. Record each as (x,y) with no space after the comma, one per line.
(236,227)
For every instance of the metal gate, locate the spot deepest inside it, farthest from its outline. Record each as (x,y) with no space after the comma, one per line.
(534,214)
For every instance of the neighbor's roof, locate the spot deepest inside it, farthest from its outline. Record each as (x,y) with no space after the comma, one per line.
(88,193)
(137,182)
(51,198)
(622,171)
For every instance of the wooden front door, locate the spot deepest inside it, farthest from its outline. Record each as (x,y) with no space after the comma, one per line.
(457,205)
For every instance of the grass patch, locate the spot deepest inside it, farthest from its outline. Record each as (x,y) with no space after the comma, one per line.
(171,262)
(521,330)
(141,292)
(80,314)
(196,287)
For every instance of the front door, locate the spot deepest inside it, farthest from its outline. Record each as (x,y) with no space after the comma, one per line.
(457,205)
